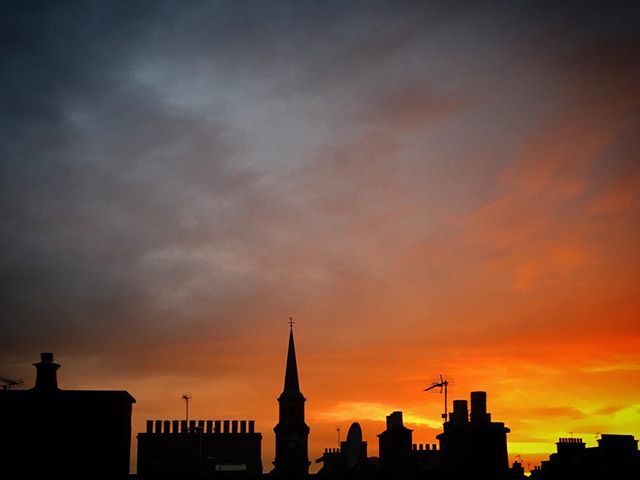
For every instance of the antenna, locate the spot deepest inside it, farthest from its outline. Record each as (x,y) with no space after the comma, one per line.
(444,387)
(10,383)
(186,397)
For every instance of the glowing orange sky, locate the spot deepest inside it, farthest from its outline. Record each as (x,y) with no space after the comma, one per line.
(425,189)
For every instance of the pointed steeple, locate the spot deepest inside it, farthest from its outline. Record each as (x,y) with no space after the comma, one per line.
(291,383)
(292,433)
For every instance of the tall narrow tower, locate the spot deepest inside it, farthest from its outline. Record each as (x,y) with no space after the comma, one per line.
(292,434)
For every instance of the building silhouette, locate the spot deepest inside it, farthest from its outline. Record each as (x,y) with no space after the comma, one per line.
(48,432)
(399,456)
(471,447)
(616,456)
(199,448)
(52,433)
(471,444)
(395,445)
(292,433)
(350,459)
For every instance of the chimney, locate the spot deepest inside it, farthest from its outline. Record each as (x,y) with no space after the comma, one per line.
(479,407)
(394,420)
(46,376)
(460,412)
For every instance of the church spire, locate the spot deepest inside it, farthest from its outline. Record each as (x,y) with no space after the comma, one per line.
(292,433)
(291,383)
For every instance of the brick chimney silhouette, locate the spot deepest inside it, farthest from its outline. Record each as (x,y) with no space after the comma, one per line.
(46,376)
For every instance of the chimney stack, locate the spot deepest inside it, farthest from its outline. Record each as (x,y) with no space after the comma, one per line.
(460,412)
(46,376)
(394,420)
(479,407)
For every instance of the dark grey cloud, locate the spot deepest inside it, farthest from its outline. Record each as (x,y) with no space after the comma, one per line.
(97,172)
(166,164)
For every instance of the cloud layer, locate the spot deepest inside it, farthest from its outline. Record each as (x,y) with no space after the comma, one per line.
(425,188)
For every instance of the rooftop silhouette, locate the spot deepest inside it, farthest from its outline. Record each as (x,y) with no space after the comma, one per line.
(87,433)
(64,433)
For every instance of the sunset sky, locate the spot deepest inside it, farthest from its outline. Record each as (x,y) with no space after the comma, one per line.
(425,188)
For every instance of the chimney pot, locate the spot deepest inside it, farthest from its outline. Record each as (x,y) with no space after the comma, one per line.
(46,376)
(460,412)
(479,407)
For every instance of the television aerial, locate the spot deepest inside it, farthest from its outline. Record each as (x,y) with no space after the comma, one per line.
(10,383)
(186,397)
(443,385)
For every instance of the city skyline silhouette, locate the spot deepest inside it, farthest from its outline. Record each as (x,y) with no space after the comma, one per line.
(234,447)
(433,191)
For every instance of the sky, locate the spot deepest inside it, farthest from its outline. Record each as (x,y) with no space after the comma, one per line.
(427,188)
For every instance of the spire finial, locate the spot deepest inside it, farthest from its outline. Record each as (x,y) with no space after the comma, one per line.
(291,323)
